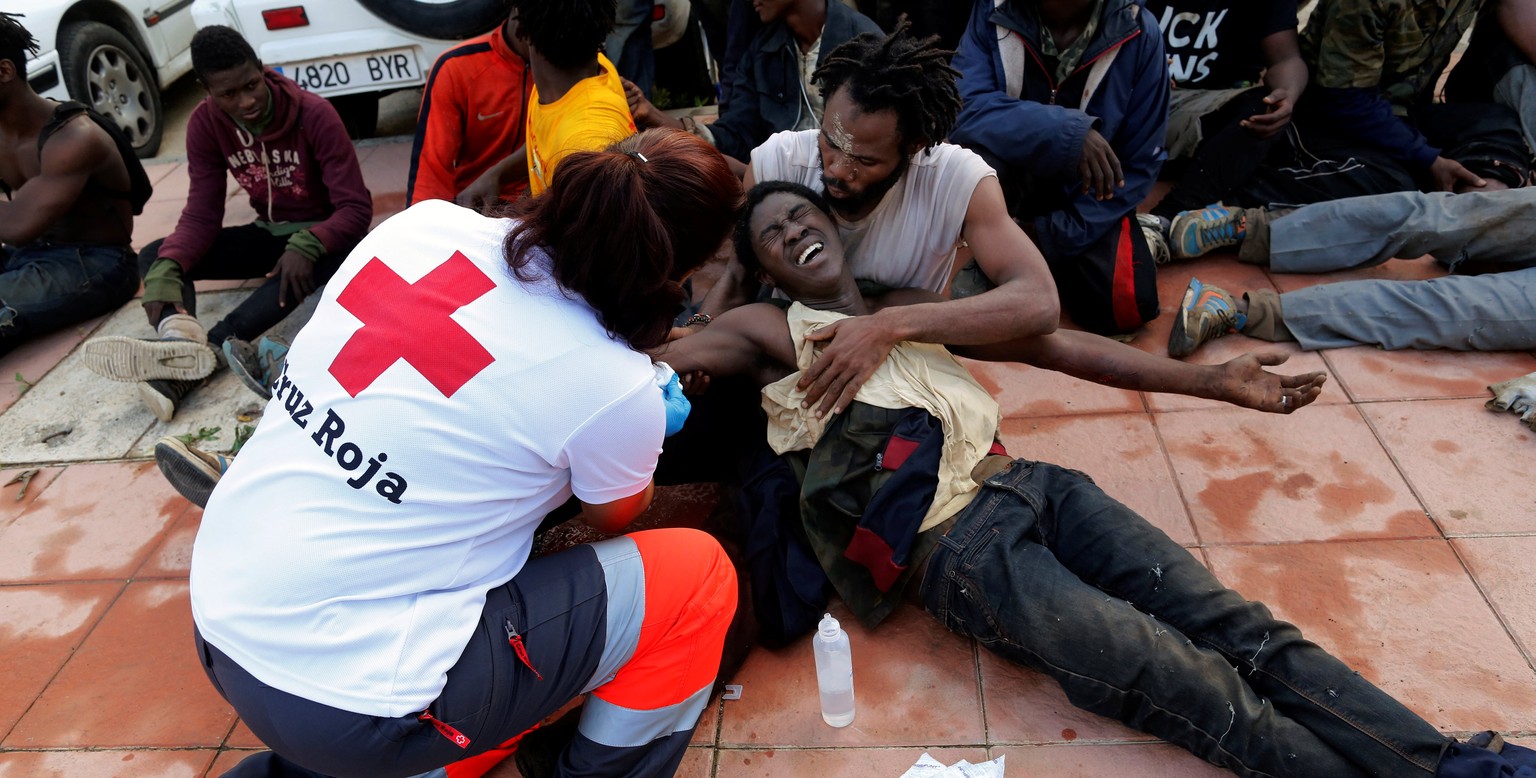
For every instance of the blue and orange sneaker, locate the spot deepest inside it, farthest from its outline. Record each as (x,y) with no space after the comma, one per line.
(1206,313)
(257,366)
(1195,233)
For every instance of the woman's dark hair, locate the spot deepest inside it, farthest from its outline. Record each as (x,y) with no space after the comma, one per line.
(909,75)
(16,43)
(568,33)
(746,249)
(217,48)
(625,225)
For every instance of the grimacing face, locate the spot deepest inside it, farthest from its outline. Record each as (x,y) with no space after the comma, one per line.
(239,91)
(797,245)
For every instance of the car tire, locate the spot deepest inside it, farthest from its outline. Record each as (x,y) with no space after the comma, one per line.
(359,113)
(106,72)
(454,20)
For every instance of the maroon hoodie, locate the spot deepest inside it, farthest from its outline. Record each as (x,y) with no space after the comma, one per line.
(304,153)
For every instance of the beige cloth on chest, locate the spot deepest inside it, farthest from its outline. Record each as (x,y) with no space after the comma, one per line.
(915,375)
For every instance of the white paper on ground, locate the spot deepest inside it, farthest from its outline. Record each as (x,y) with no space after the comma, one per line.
(928,767)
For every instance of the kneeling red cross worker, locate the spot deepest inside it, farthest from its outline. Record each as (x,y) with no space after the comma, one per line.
(385,618)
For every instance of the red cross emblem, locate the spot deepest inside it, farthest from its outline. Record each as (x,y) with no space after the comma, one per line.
(412,322)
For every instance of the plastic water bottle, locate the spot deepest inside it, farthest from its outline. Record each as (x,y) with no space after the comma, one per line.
(834,672)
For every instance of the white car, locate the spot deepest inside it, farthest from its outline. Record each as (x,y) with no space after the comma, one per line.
(353,51)
(111,55)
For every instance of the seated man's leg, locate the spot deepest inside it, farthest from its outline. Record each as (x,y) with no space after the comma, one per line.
(1107,286)
(1482,227)
(1493,312)
(638,621)
(261,310)
(1517,91)
(1314,165)
(46,287)
(1047,570)
(1226,155)
(1486,138)
(1111,287)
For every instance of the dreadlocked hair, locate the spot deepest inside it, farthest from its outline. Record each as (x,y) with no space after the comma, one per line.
(911,76)
(15,42)
(568,33)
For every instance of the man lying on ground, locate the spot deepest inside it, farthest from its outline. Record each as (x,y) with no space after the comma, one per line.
(1032,559)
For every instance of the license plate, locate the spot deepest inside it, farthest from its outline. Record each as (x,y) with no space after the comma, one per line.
(346,74)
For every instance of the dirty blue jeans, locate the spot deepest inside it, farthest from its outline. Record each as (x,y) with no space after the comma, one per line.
(48,286)
(1484,313)
(1046,570)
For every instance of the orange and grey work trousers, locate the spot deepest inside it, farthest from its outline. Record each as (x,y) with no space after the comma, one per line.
(636,622)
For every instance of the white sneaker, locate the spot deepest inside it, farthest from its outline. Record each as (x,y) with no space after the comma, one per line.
(136,359)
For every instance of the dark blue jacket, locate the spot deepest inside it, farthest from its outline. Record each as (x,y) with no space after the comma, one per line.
(766,95)
(1041,132)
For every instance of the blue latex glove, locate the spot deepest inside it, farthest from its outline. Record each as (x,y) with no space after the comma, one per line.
(672,397)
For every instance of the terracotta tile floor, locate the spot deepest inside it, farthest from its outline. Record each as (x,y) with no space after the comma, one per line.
(1394,522)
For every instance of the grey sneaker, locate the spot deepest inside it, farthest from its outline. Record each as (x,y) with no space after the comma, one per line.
(162,397)
(193,473)
(138,359)
(1152,230)
(257,366)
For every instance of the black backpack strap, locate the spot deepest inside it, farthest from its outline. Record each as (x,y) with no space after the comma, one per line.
(139,187)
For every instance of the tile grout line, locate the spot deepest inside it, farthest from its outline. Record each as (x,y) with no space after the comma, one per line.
(1525,653)
(1178,484)
(67,659)
(1466,568)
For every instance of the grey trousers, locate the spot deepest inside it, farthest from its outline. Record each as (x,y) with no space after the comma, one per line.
(1490,312)
(1517,90)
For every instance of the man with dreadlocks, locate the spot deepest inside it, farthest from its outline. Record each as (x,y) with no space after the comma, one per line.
(902,202)
(578,101)
(67,218)
(1069,101)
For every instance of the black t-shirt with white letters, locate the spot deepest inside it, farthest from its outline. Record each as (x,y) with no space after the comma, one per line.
(1214,44)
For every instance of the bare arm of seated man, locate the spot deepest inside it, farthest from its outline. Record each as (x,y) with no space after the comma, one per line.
(1023,304)
(1242,381)
(73,153)
(613,517)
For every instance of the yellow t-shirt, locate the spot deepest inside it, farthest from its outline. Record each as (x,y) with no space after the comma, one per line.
(592,115)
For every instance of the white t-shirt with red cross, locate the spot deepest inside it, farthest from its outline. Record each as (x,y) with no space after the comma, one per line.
(432,412)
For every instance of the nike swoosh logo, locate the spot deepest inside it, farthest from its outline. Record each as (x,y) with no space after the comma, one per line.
(482,117)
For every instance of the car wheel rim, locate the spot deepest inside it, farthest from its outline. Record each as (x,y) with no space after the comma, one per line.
(118,89)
